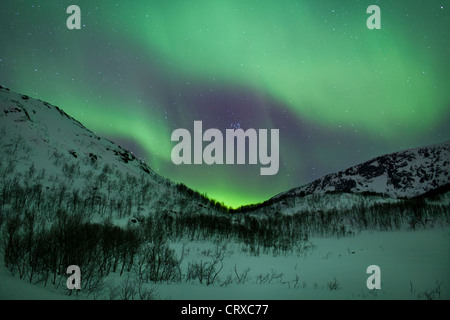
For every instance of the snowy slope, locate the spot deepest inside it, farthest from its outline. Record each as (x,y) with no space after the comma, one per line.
(47,128)
(40,142)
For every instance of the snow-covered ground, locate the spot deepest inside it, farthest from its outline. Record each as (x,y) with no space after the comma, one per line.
(413,265)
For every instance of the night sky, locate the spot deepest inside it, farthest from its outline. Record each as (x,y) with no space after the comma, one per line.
(339,93)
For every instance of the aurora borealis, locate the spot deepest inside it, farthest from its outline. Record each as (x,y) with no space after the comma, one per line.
(338,92)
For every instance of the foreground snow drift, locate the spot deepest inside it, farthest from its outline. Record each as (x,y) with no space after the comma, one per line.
(414,265)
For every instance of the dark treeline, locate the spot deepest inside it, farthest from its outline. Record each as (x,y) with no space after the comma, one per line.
(42,235)
(46,228)
(42,254)
(281,232)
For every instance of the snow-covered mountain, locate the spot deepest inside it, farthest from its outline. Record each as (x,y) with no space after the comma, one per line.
(42,145)
(404,174)
(48,128)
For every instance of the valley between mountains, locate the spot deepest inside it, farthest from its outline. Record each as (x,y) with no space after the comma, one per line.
(71,197)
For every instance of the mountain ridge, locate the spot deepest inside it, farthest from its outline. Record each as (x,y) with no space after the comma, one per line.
(403,174)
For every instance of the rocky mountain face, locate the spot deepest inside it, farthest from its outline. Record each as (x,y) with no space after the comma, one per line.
(404,174)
